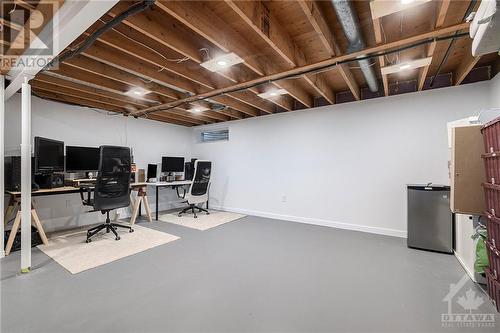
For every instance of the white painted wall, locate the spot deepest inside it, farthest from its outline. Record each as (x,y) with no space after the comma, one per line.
(495,91)
(344,165)
(80,126)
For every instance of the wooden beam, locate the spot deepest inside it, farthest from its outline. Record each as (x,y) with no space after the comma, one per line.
(325,35)
(139,26)
(318,22)
(90,79)
(321,65)
(68,91)
(117,74)
(237,105)
(467,64)
(442,11)
(140,68)
(253,14)
(57,81)
(197,17)
(377,28)
(78,101)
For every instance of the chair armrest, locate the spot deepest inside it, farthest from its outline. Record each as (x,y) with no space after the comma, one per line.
(183,194)
(88,190)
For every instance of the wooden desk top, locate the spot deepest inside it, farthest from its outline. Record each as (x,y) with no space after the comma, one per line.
(48,191)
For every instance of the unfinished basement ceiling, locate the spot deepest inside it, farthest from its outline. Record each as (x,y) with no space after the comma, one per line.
(160,51)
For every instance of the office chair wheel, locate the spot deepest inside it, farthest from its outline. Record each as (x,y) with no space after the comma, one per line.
(208,213)
(131,230)
(88,240)
(117,238)
(196,216)
(180,215)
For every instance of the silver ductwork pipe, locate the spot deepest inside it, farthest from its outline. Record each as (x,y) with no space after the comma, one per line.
(350,24)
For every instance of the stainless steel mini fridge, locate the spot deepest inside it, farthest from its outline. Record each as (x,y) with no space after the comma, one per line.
(430,220)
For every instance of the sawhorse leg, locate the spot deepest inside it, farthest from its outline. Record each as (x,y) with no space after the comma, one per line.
(15,228)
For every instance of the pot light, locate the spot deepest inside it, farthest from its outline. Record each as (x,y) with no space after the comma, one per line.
(138,91)
(198,108)
(222,62)
(417,63)
(273,93)
(405,2)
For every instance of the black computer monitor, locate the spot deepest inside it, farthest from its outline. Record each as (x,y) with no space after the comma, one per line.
(82,159)
(152,171)
(49,155)
(172,164)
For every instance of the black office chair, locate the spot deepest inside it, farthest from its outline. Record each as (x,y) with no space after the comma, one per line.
(112,187)
(198,190)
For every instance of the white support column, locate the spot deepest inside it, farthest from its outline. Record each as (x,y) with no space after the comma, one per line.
(2,153)
(26,177)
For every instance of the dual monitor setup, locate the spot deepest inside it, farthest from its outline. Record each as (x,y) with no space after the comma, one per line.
(52,158)
(171,165)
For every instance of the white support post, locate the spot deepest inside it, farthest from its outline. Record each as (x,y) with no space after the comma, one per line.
(26,177)
(2,153)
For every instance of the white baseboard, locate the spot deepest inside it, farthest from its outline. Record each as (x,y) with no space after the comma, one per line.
(315,221)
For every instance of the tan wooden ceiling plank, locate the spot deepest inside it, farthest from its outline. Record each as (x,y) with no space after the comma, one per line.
(252,12)
(442,11)
(464,68)
(324,63)
(195,16)
(86,89)
(140,68)
(377,28)
(66,91)
(318,22)
(114,73)
(90,79)
(150,23)
(237,105)
(74,100)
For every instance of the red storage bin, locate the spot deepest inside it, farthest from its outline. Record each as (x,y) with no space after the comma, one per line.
(493,227)
(492,167)
(493,259)
(492,199)
(493,289)
(491,136)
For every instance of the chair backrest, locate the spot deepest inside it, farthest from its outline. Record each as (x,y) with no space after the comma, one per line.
(201,178)
(112,188)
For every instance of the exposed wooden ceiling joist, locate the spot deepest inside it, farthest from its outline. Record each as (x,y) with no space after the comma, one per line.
(442,11)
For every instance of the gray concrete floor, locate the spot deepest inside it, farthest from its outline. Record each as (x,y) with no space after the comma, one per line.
(251,275)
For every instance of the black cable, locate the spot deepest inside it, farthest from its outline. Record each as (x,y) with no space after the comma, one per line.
(472,4)
(132,10)
(374,55)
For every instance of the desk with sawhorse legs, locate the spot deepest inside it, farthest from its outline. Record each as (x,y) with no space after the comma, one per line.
(14,209)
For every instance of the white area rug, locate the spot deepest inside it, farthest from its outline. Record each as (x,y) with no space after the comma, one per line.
(203,222)
(70,250)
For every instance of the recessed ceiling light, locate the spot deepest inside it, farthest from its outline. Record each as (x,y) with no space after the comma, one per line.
(273,93)
(413,64)
(222,62)
(138,91)
(198,108)
(405,2)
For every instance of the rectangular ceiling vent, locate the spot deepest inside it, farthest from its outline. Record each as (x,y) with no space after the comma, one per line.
(214,135)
